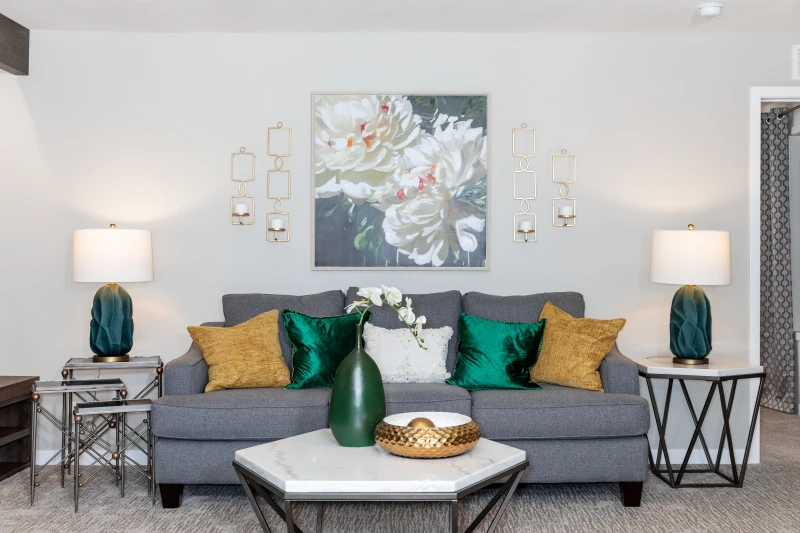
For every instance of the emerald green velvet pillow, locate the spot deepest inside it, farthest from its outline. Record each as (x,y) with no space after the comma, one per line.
(319,345)
(496,355)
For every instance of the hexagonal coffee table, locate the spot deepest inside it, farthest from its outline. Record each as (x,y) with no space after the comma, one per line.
(313,468)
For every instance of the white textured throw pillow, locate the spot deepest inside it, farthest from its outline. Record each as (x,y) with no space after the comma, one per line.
(400,358)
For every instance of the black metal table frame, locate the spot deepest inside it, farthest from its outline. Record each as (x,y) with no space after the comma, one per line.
(736,479)
(256,485)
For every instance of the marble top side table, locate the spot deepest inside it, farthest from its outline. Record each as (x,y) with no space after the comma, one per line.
(716,372)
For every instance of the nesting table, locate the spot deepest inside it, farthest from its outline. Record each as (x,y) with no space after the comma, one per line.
(312,467)
(117,411)
(717,372)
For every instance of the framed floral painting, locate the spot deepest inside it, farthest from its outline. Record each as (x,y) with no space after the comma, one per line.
(400,181)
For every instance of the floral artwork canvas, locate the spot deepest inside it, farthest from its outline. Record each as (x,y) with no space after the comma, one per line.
(400,181)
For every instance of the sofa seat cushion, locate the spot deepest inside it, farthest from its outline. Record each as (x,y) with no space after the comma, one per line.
(439,308)
(241,414)
(556,412)
(410,397)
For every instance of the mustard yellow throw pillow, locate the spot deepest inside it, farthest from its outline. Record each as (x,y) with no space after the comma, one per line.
(573,349)
(245,356)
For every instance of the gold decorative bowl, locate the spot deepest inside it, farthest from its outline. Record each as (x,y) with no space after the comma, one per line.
(452,435)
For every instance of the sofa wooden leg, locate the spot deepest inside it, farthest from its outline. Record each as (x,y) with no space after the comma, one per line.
(171,495)
(631,492)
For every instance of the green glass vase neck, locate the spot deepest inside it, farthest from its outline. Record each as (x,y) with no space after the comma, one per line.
(359,336)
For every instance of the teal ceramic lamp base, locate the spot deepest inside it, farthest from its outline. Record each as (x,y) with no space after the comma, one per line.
(690,326)
(111,330)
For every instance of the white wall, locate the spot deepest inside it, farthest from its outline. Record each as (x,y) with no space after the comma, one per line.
(138,129)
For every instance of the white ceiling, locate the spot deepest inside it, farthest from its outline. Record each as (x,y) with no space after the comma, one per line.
(756,16)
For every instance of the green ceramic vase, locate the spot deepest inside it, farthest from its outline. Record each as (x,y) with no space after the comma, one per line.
(690,323)
(358,403)
(111,330)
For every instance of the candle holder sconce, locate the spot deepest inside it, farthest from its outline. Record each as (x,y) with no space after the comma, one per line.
(525,222)
(565,208)
(243,207)
(279,221)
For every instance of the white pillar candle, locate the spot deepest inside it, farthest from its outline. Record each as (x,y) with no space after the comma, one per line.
(525,225)
(276,224)
(566,211)
(240,209)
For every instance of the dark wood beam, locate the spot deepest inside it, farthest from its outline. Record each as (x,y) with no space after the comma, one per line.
(14,47)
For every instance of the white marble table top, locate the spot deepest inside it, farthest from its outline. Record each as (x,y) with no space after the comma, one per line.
(717,367)
(315,463)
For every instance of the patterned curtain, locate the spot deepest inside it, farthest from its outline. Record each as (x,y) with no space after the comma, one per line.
(777,323)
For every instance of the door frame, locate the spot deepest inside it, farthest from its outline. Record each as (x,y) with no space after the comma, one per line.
(758,96)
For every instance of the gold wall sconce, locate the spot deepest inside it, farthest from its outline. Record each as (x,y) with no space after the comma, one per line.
(279,221)
(243,171)
(525,222)
(565,208)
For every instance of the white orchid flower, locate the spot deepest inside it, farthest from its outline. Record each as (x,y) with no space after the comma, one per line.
(392,294)
(373,294)
(406,315)
(359,303)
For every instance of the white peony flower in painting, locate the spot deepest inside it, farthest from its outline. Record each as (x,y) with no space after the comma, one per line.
(401,181)
(359,141)
(426,218)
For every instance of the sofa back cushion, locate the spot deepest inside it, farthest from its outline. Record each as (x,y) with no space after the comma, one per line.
(439,308)
(522,308)
(239,308)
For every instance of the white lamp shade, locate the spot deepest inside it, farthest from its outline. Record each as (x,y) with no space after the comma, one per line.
(112,255)
(691,257)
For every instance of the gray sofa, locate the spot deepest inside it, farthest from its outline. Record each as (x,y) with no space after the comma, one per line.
(570,435)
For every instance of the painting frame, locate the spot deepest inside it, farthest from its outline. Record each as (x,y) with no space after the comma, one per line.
(312,196)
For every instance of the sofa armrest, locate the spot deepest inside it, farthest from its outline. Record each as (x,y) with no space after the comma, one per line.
(619,374)
(188,374)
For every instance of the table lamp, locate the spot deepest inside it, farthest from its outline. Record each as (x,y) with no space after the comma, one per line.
(690,258)
(112,256)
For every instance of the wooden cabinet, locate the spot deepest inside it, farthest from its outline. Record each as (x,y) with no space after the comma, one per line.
(15,424)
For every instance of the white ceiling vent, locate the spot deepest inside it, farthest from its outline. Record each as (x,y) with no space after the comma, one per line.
(796,62)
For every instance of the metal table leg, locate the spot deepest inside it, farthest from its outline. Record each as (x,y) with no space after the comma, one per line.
(76,461)
(319,516)
(662,443)
(69,421)
(753,421)
(289,518)
(34,412)
(453,518)
(64,438)
(696,432)
(121,448)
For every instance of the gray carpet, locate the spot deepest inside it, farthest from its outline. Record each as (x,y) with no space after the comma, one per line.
(769,502)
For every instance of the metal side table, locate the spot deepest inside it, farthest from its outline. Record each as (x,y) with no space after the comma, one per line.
(135,363)
(87,364)
(717,372)
(82,388)
(119,409)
